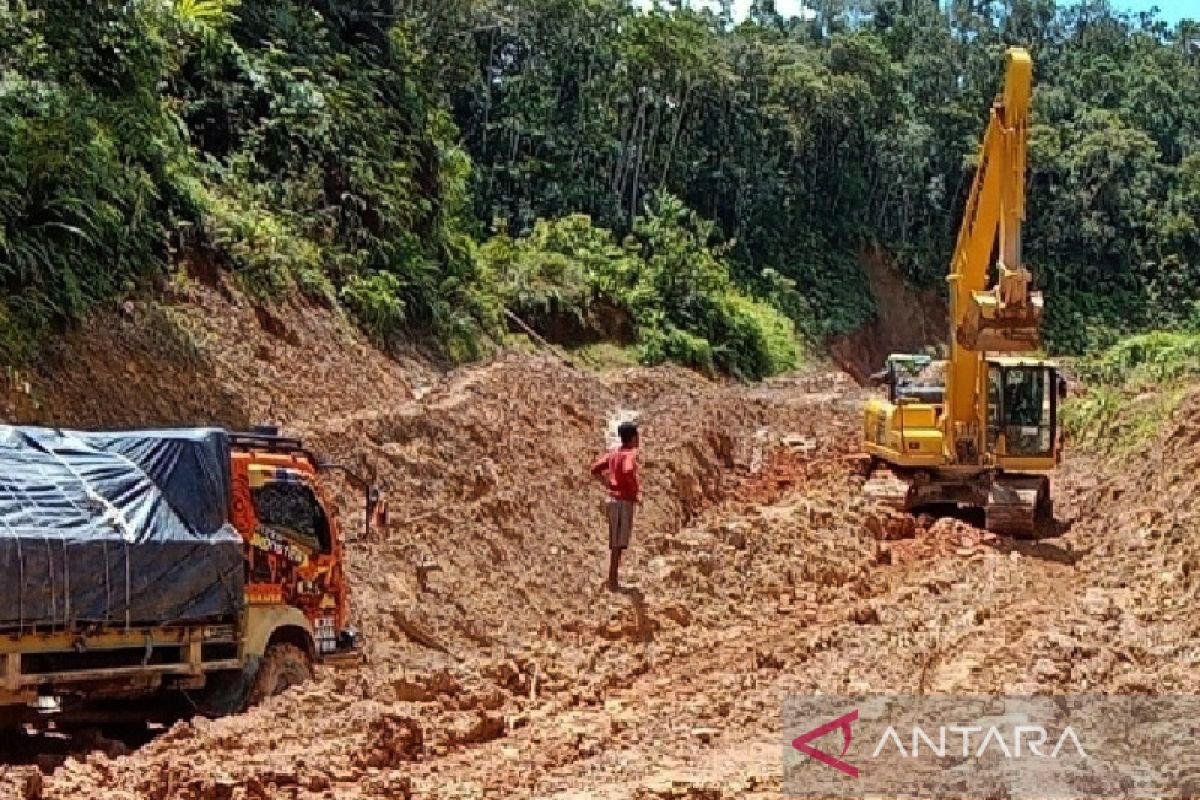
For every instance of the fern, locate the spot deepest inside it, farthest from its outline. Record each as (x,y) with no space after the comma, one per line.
(206,12)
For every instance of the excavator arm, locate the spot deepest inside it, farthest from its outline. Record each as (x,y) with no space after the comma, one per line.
(1005,317)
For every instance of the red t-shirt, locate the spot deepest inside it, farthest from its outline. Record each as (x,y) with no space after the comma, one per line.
(620,469)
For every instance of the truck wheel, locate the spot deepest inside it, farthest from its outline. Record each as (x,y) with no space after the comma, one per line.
(282,667)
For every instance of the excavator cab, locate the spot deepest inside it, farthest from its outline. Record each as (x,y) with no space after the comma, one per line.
(1022,411)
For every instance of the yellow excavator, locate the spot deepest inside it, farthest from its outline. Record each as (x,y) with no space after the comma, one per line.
(975,430)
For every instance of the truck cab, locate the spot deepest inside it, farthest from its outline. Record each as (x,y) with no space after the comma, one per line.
(294,546)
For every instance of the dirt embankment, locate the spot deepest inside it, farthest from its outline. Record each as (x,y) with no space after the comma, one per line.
(498,668)
(206,355)
(906,320)
(494,554)
(1137,530)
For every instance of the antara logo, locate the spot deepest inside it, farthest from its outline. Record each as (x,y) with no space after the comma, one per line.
(801,743)
(1026,740)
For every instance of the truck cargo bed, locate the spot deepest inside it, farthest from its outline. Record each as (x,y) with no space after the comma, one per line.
(116,528)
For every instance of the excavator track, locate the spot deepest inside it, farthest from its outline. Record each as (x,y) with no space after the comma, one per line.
(1014,505)
(1018,505)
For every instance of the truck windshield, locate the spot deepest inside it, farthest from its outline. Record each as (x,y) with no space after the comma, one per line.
(291,509)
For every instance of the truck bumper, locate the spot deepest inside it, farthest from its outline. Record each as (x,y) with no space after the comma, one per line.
(64,663)
(347,659)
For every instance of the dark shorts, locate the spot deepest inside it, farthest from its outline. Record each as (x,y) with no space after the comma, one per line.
(620,522)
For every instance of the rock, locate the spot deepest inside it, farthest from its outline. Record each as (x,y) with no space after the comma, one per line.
(487,727)
(899,526)
(21,783)
(1097,603)
(865,614)
(410,692)
(1046,669)
(679,614)
(735,536)
(392,739)
(873,526)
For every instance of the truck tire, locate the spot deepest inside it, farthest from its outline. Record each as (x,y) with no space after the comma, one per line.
(282,667)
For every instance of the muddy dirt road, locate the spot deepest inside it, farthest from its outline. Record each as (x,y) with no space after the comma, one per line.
(498,667)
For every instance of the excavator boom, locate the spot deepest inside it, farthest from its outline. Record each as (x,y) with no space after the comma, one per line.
(1005,318)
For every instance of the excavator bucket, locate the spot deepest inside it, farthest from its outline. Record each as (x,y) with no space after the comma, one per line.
(997,327)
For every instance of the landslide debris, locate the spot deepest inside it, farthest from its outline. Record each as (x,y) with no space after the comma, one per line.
(496,530)
(480,600)
(519,659)
(497,667)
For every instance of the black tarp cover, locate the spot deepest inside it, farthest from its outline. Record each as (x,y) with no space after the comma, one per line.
(116,527)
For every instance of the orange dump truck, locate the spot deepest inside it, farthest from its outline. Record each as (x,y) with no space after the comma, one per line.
(149,569)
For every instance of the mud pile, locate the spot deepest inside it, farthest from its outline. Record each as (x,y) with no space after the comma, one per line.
(1136,532)
(496,529)
(510,643)
(497,667)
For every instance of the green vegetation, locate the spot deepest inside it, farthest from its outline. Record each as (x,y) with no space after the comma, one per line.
(664,179)
(1141,363)
(1131,388)
(663,287)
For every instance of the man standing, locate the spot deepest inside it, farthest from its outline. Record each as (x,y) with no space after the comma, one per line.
(617,470)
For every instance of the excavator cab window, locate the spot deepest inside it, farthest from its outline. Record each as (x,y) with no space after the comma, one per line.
(1022,406)
(291,509)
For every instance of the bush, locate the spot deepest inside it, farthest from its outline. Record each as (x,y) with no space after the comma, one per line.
(93,170)
(1144,361)
(676,290)
(768,338)
(555,274)
(689,284)
(266,253)
(667,343)
(1130,388)
(374,300)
